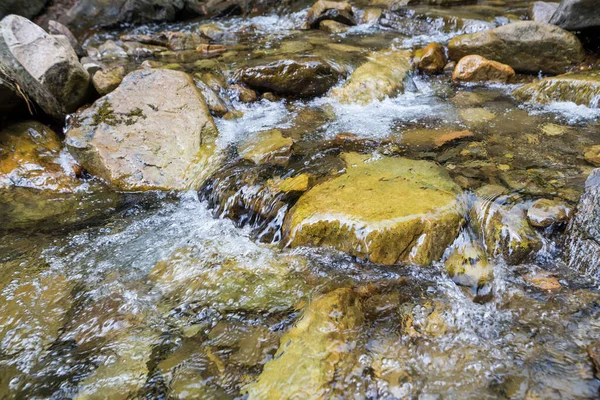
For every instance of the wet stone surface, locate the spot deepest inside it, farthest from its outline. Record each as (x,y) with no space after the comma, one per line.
(372,228)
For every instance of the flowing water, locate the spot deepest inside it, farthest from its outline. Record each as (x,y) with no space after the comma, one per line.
(188,295)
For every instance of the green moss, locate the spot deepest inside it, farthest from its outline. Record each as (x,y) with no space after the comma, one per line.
(105,114)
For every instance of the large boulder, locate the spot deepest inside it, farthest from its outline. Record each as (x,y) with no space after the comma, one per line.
(578,87)
(304,78)
(25,8)
(577,14)
(526,46)
(386,210)
(154,132)
(383,75)
(45,67)
(313,351)
(583,234)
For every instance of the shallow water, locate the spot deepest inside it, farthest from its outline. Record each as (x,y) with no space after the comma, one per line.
(189,295)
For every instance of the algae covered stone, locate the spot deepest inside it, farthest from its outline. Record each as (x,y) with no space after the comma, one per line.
(383,75)
(526,46)
(311,352)
(267,147)
(387,210)
(581,88)
(154,132)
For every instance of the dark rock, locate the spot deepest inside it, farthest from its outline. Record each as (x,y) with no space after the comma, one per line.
(25,8)
(304,78)
(577,14)
(583,233)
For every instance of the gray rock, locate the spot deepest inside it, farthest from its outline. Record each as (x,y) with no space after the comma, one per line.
(46,68)
(577,14)
(25,8)
(583,234)
(56,28)
(109,50)
(542,11)
(526,46)
(154,132)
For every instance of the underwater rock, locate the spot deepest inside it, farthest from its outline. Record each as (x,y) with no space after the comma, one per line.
(594,353)
(123,372)
(578,87)
(583,234)
(526,46)
(353,212)
(383,75)
(154,132)
(545,212)
(208,276)
(475,68)
(324,10)
(430,59)
(576,14)
(267,147)
(303,77)
(542,11)
(46,68)
(312,351)
(503,229)
(542,280)
(105,81)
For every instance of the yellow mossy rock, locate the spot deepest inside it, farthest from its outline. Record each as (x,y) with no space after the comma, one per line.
(311,351)
(383,75)
(387,210)
(267,147)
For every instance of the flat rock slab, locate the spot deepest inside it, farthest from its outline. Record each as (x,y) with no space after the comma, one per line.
(387,210)
(154,132)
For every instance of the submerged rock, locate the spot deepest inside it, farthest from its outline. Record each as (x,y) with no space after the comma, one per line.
(383,75)
(430,59)
(577,14)
(332,26)
(208,275)
(526,46)
(578,87)
(592,155)
(503,229)
(46,68)
(324,10)
(267,147)
(313,351)
(154,132)
(583,234)
(542,11)
(303,77)
(479,69)
(354,212)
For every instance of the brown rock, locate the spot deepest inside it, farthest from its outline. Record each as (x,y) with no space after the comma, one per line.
(339,11)
(330,26)
(244,94)
(479,69)
(105,81)
(542,280)
(594,353)
(592,155)
(430,59)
